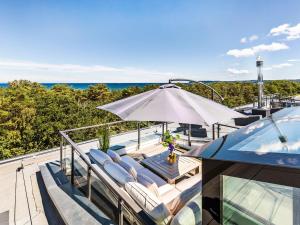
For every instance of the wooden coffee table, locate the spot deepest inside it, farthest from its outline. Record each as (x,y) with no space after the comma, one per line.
(171,172)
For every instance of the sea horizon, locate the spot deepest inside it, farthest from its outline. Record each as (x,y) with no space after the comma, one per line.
(82,86)
(111,86)
(123,85)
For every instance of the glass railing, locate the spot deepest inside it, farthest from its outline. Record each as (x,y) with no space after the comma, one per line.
(94,184)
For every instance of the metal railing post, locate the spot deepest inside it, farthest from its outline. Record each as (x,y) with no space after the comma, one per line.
(120,211)
(89,183)
(212,94)
(218,130)
(61,152)
(213,132)
(139,135)
(190,133)
(72,165)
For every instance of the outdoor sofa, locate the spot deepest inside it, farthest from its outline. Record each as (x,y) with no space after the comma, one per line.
(165,203)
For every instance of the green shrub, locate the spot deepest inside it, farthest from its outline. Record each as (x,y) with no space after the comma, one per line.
(104,141)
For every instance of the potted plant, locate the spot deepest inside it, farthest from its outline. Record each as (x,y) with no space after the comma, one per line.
(170,141)
(104,141)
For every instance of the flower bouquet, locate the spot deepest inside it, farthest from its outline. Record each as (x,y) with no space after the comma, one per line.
(170,142)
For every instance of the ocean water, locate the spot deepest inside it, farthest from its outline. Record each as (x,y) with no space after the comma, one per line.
(111,86)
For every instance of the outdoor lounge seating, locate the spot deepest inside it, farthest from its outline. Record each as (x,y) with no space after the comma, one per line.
(161,201)
(196,130)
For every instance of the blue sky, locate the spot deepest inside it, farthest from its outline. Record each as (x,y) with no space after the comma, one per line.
(148,41)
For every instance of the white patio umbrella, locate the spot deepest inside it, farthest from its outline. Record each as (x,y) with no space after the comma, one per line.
(170,103)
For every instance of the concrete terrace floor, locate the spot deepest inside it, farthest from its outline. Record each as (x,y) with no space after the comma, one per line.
(22,193)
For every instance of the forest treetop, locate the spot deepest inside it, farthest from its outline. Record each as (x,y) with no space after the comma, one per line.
(31,115)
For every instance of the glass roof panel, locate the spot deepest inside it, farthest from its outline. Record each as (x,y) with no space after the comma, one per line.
(272,140)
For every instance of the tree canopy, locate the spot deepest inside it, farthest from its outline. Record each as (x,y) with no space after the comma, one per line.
(31,115)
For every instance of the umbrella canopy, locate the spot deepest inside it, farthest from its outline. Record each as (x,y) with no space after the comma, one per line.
(170,103)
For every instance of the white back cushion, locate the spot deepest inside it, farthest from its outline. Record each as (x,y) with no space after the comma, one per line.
(132,162)
(149,202)
(118,173)
(114,156)
(158,180)
(148,183)
(99,156)
(130,169)
(190,214)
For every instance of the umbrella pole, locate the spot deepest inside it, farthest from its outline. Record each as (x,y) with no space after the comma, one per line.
(163,131)
(139,134)
(189,137)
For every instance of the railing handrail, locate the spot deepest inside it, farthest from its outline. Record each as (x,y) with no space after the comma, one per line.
(130,203)
(94,126)
(218,129)
(229,126)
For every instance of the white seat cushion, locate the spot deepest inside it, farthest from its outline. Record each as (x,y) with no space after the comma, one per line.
(114,156)
(148,183)
(99,156)
(176,204)
(165,188)
(149,202)
(190,214)
(118,173)
(188,183)
(159,181)
(132,162)
(170,195)
(130,169)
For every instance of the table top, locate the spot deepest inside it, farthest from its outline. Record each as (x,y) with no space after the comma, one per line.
(159,164)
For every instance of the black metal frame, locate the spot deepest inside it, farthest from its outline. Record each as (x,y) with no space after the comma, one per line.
(213,91)
(219,125)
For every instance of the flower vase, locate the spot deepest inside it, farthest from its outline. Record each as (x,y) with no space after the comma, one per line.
(172,156)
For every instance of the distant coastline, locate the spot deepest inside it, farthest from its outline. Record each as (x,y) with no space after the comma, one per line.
(82,86)
(119,86)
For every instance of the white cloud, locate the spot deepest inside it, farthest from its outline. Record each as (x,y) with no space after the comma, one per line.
(291,32)
(25,65)
(237,72)
(278,66)
(282,65)
(294,60)
(46,72)
(249,39)
(253,37)
(246,52)
(243,40)
(281,29)
(267,68)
